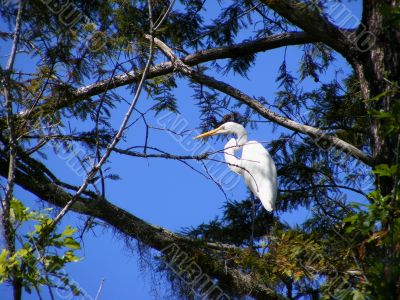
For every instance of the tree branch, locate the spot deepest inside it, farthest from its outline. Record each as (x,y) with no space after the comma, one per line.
(155,237)
(315,133)
(163,155)
(231,51)
(9,190)
(114,142)
(309,17)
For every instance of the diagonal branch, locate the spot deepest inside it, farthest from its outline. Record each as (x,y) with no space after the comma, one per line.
(155,237)
(231,51)
(112,145)
(8,105)
(315,133)
(12,165)
(309,17)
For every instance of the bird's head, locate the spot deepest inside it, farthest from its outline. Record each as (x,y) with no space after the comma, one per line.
(226,128)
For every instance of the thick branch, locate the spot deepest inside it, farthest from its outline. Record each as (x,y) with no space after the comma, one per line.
(231,51)
(315,133)
(154,236)
(310,18)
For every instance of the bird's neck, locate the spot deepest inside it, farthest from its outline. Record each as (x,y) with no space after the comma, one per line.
(242,138)
(229,152)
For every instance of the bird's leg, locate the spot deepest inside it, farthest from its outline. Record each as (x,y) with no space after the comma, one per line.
(253,217)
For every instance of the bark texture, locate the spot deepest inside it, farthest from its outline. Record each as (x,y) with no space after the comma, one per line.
(378,71)
(372,49)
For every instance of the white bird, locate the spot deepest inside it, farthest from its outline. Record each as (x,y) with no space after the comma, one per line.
(256,165)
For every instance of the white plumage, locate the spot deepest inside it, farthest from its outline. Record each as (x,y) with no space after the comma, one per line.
(256,165)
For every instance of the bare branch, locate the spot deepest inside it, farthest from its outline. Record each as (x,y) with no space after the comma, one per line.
(310,18)
(118,135)
(17,33)
(100,289)
(313,132)
(110,147)
(231,51)
(162,155)
(318,186)
(155,237)
(163,16)
(8,104)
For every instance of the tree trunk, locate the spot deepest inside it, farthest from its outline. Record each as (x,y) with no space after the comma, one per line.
(17,288)
(378,70)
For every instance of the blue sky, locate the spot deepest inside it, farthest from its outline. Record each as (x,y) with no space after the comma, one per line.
(163,192)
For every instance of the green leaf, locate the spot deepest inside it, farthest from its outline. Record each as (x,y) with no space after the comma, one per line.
(357,295)
(22,252)
(3,265)
(384,170)
(53,263)
(75,290)
(19,210)
(68,231)
(70,257)
(71,243)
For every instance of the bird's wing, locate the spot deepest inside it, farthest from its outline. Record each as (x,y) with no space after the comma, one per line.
(229,152)
(259,173)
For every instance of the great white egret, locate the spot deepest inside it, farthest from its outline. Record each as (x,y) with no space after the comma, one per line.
(256,165)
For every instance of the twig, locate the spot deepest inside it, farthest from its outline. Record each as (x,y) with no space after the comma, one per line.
(212,178)
(317,186)
(117,137)
(99,290)
(37,147)
(8,227)
(163,155)
(97,130)
(159,21)
(223,87)
(38,97)
(181,158)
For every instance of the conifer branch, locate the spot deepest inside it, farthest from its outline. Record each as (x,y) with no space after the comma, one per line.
(155,237)
(231,51)
(313,132)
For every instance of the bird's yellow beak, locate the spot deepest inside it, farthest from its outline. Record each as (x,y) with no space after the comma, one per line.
(208,133)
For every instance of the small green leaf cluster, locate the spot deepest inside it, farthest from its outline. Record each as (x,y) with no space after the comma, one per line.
(41,257)
(390,120)
(377,228)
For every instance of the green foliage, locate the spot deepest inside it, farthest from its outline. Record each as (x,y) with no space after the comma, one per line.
(390,120)
(383,170)
(235,227)
(41,258)
(391,16)
(377,226)
(336,254)
(342,251)
(160,90)
(315,61)
(240,65)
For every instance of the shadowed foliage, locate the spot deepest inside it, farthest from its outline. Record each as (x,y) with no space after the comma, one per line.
(336,148)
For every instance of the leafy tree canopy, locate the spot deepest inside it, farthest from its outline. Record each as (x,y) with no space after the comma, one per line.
(337,147)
